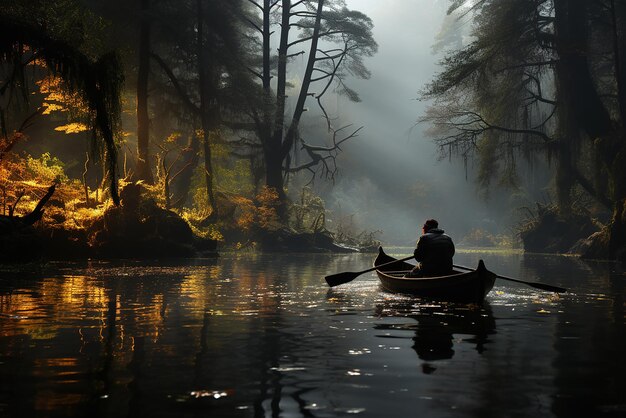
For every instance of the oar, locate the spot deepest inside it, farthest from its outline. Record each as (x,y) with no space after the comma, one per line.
(348,276)
(541,286)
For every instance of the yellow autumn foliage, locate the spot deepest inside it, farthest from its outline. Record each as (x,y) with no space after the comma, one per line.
(30,178)
(58,99)
(72,128)
(267,215)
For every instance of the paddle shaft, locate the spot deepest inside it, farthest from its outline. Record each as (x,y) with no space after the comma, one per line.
(389,263)
(347,276)
(541,286)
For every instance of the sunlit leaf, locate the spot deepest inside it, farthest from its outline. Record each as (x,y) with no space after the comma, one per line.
(53,107)
(173,137)
(72,128)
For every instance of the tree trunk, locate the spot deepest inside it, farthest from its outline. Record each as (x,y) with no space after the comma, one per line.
(615,153)
(181,183)
(278,147)
(272,141)
(29,219)
(566,121)
(207,109)
(617,232)
(306,82)
(208,169)
(610,143)
(267,76)
(580,108)
(617,175)
(110,156)
(268,105)
(143,171)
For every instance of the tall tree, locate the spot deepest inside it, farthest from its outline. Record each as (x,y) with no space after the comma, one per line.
(202,58)
(546,75)
(334,41)
(142,166)
(131,32)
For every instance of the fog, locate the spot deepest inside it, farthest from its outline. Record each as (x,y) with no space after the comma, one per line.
(390,176)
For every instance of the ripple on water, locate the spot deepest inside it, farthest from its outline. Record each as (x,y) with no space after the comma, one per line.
(263,335)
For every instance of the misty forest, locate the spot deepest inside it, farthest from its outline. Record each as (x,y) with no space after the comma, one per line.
(166,130)
(195,197)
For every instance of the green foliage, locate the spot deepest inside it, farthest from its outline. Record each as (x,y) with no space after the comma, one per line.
(308,214)
(353,29)
(199,79)
(199,196)
(195,219)
(539,77)
(47,169)
(68,20)
(490,101)
(232,174)
(480,238)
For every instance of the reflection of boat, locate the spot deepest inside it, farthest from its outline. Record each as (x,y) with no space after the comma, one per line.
(470,287)
(438,327)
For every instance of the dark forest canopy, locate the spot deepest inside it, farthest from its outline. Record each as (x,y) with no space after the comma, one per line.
(204,95)
(221,109)
(210,68)
(541,77)
(55,42)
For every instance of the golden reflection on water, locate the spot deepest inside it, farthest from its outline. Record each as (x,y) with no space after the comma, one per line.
(150,340)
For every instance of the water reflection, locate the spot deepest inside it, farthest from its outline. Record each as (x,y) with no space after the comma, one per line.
(438,327)
(263,336)
(588,346)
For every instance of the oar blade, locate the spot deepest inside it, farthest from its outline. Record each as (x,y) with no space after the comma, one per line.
(546,287)
(341,278)
(348,276)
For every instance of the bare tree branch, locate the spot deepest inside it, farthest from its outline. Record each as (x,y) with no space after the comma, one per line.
(324,157)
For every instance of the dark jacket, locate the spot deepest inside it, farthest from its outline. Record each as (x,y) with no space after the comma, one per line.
(434,252)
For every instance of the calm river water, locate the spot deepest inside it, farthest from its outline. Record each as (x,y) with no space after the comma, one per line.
(263,336)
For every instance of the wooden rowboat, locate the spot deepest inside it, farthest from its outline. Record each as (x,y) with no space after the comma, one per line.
(468,287)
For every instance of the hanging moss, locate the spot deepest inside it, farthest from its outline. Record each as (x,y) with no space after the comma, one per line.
(98,81)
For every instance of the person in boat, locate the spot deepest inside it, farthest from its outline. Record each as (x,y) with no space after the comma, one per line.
(434,252)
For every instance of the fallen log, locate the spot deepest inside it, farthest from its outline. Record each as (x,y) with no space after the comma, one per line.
(11,222)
